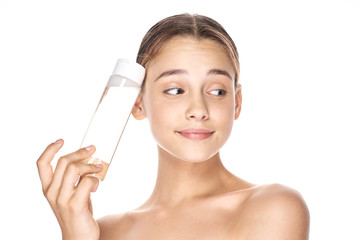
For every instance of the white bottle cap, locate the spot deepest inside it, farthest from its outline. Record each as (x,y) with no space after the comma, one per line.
(130,70)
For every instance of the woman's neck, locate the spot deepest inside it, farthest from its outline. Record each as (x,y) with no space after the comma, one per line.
(179,181)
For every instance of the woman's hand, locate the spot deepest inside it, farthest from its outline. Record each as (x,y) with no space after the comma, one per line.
(68,190)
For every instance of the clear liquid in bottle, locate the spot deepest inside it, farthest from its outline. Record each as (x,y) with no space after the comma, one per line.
(111,115)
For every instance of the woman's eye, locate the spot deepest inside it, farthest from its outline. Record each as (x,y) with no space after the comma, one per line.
(174,91)
(218,92)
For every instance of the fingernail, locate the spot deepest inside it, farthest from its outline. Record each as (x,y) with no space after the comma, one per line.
(98,165)
(89,148)
(58,141)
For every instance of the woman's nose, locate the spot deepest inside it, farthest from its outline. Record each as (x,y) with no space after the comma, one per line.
(197,109)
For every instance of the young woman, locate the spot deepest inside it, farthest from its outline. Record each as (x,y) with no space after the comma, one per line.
(190,96)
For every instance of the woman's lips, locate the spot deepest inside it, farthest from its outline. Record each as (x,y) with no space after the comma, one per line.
(195,134)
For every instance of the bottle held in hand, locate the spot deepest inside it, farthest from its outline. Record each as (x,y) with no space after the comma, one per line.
(112,112)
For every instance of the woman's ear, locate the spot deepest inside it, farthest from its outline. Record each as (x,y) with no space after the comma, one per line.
(138,108)
(238,101)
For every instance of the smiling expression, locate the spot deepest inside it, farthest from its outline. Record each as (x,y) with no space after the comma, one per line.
(190,98)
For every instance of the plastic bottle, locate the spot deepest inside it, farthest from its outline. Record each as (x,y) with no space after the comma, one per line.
(112,112)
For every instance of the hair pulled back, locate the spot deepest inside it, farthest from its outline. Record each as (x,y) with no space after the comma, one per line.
(197,26)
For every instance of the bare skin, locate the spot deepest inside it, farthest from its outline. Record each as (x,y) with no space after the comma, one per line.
(230,209)
(190,101)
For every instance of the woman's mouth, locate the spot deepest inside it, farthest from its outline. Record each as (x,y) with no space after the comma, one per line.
(195,133)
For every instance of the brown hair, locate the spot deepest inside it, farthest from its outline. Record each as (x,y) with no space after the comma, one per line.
(197,26)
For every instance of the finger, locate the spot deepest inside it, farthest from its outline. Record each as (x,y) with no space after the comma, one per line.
(44,163)
(72,174)
(87,185)
(77,156)
(90,207)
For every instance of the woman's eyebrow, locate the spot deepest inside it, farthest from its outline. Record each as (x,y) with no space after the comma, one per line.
(213,71)
(220,72)
(171,72)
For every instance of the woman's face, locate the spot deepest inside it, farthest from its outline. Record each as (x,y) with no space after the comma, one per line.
(190,99)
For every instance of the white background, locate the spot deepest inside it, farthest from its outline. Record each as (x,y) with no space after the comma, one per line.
(299,124)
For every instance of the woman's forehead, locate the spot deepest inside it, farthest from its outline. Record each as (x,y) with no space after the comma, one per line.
(182,52)
(181,43)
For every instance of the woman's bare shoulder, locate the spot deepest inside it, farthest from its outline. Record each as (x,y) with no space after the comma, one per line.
(278,211)
(276,192)
(115,226)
